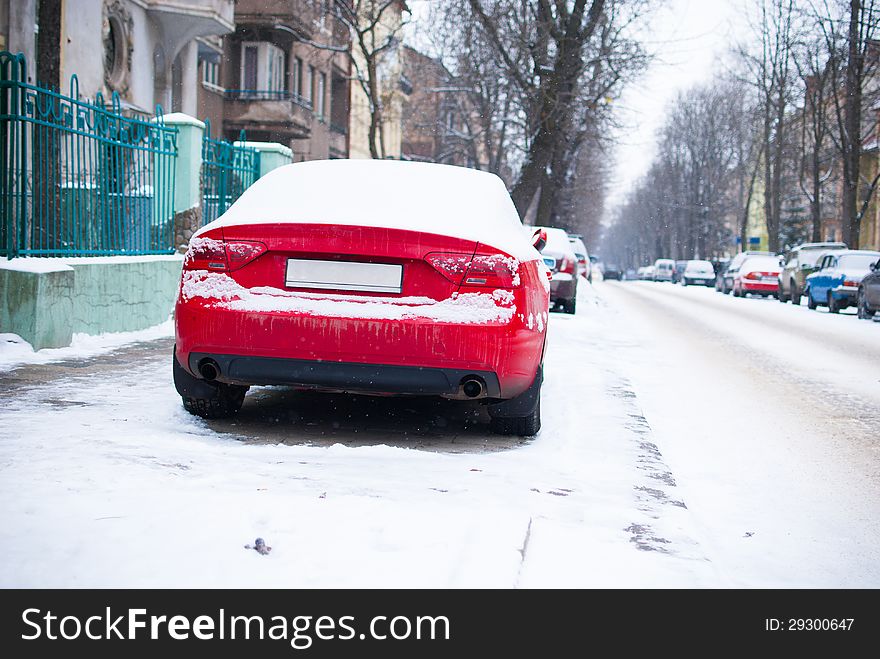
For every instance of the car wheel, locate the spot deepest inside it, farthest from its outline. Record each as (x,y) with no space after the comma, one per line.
(569,306)
(207,400)
(811,303)
(521,415)
(833,306)
(795,294)
(780,294)
(684,282)
(863,311)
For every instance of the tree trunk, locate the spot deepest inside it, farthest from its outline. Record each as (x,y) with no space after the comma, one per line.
(852,150)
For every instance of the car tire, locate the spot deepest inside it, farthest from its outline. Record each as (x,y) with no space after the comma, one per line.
(569,306)
(780,294)
(520,415)
(833,306)
(795,294)
(863,311)
(811,303)
(524,426)
(684,282)
(207,400)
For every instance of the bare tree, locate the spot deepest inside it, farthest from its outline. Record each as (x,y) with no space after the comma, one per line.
(856,49)
(375,27)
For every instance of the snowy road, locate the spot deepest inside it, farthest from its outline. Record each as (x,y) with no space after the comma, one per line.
(689,440)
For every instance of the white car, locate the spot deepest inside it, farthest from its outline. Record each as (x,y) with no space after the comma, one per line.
(698,272)
(663,269)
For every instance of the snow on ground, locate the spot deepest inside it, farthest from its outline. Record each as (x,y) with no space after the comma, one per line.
(635,480)
(15,351)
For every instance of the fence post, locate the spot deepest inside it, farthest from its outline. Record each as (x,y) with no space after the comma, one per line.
(187,170)
(272,155)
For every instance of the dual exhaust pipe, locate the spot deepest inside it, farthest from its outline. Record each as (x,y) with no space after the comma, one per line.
(471,386)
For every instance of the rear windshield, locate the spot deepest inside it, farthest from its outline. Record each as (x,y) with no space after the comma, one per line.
(700,266)
(760,263)
(810,256)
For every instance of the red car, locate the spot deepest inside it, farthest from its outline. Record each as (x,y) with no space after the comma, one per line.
(366,276)
(758,275)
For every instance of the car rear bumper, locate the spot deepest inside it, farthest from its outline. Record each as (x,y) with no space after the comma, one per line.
(760,287)
(846,293)
(342,376)
(395,356)
(562,287)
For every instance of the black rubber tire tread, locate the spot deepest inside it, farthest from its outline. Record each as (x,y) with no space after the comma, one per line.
(226,403)
(524,426)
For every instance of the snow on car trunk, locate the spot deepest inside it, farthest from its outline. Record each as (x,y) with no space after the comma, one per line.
(439,199)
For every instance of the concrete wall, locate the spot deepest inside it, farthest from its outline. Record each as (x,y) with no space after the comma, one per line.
(47,301)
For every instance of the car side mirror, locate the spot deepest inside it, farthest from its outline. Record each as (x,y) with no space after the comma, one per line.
(539,239)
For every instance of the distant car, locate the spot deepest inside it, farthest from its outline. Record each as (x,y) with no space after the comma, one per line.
(677,270)
(559,256)
(395,288)
(663,269)
(629,273)
(724,278)
(836,282)
(698,272)
(585,266)
(757,275)
(612,271)
(646,273)
(800,262)
(869,293)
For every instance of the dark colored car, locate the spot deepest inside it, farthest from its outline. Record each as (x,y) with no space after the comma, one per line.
(868,297)
(836,283)
(612,271)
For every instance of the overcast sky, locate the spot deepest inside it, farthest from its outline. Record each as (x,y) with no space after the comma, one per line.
(688,38)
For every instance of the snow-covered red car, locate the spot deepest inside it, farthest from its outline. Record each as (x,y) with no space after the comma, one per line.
(366,276)
(758,275)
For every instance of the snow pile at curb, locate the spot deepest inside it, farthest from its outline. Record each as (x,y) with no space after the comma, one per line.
(466,308)
(15,351)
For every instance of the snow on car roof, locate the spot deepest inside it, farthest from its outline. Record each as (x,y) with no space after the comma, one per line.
(440,199)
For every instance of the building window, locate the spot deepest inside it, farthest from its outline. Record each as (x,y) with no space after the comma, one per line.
(211,74)
(249,68)
(310,85)
(262,68)
(322,86)
(297,77)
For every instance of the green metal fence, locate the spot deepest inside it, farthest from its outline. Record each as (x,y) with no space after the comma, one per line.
(78,178)
(227,170)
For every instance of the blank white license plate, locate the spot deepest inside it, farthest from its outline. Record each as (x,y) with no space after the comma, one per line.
(344,275)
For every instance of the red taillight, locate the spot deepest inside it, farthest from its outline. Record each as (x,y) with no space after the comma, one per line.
(452,266)
(851,284)
(211,254)
(567,265)
(752,275)
(484,270)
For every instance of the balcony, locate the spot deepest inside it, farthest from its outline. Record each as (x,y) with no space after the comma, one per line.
(184,20)
(274,111)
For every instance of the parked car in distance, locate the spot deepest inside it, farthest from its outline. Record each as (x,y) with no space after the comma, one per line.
(835,283)
(559,256)
(645,273)
(869,293)
(698,272)
(395,288)
(663,269)
(800,262)
(677,270)
(629,273)
(585,266)
(612,271)
(724,278)
(757,275)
